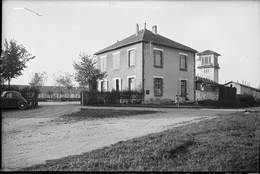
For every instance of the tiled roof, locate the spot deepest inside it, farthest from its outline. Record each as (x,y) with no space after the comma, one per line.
(205,80)
(207,52)
(252,88)
(146,36)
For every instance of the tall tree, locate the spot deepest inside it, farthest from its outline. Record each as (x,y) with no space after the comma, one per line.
(86,72)
(50,93)
(13,60)
(37,82)
(65,81)
(38,79)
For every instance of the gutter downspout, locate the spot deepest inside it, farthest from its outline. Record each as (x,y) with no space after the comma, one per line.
(194,78)
(143,71)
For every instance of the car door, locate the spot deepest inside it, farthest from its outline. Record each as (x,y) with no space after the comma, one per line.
(10,99)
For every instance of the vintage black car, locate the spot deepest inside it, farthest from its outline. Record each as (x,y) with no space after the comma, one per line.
(13,99)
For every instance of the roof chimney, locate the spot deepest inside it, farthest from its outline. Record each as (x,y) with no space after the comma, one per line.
(137,29)
(155,29)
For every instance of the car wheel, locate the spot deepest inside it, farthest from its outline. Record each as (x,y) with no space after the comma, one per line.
(22,105)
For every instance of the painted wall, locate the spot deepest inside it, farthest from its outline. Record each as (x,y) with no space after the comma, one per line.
(170,73)
(208,72)
(206,95)
(124,71)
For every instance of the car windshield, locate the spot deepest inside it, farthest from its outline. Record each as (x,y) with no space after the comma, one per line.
(3,93)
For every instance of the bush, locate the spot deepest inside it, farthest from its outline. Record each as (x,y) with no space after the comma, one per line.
(113,97)
(247,99)
(242,101)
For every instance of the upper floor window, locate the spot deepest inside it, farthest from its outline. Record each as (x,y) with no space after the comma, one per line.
(183,62)
(131,57)
(158,86)
(158,58)
(103,63)
(116,61)
(205,60)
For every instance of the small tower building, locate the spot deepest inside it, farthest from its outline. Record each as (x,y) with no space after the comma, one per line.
(207,65)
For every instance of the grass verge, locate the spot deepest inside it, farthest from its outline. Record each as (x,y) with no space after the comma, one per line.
(226,143)
(91,114)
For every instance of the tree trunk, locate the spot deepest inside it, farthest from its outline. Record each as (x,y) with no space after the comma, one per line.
(9,80)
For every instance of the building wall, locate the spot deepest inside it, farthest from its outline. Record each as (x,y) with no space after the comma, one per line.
(124,71)
(208,72)
(206,95)
(245,90)
(170,73)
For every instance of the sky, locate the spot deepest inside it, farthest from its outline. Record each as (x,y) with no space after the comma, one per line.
(68,28)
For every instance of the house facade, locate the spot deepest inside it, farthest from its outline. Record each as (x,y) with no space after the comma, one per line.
(148,62)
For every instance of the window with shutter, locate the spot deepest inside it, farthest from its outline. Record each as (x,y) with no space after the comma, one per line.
(158,59)
(131,83)
(131,57)
(158,86)
(183,62)
(183,88)
(116,61)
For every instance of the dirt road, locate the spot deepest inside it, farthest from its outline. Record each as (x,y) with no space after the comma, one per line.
(28,137)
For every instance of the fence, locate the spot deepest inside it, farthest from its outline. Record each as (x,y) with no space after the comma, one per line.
(227,93)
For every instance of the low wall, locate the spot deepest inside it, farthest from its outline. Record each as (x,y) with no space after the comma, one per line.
(206,95)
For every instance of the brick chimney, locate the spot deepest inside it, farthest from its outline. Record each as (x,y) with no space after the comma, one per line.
(137,29)
(155,29)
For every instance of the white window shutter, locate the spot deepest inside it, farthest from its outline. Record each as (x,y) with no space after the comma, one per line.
(114,62)
(99,85)
(105,64)
(114,84)
(105,85)
(134,58)
(134,82)
(120,84)
(118,62)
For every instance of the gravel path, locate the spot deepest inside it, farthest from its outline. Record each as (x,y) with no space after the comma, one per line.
(28,137)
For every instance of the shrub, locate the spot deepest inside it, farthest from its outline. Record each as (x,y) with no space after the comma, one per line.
(112,97)
(248,100)
(242,101)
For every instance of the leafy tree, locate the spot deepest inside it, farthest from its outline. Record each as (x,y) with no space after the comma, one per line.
(50,93)
(37,81)
(65,81)
(86,72)
(13,60)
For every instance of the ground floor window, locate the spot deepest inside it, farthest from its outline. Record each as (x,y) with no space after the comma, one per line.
(158,86)
(102,86)
(183,88)
(131,83)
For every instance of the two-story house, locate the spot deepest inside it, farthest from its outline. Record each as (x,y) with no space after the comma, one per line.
(146,61)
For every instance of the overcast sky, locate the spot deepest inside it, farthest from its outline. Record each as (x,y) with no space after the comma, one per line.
(69,27)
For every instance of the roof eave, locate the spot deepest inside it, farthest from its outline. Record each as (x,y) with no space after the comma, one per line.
(190,50)
(112,49)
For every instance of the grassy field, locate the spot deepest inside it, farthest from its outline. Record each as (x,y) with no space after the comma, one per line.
(226,143)
(90,114)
